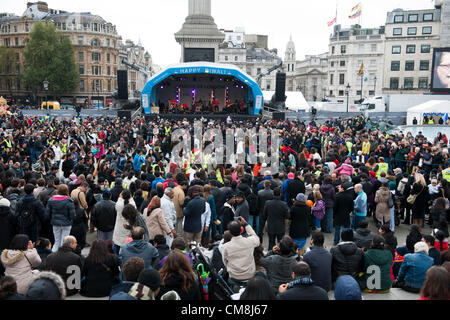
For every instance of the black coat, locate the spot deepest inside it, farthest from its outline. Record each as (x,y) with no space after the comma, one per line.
(7,227)
(175,282)
(294,187)
(299,215)
(103,216)
(275,213)
(347,260)
(363,238)
(263,196)
(100,278)
(319,260)
(304,292)
(59,261)
(421,201)
(343,206)
(219,197)
(328,194)
(227,215)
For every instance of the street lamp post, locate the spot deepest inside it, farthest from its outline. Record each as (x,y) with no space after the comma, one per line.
(98,97)
(45,83)
(374,86)
(347,93)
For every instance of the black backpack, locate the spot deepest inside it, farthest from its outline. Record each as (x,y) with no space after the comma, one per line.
(26,217)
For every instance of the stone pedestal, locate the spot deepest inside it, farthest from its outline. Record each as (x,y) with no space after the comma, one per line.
(199,33)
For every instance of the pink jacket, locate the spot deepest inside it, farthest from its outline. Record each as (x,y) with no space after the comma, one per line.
(101,150)
(156,223)
(344,169)
(18,267)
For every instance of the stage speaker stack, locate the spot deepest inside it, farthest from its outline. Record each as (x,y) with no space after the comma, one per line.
(280,87)
(122,84)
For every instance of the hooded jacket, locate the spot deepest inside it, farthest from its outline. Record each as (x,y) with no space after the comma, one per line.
(299,227)
(347,260)
(19,264)
(381,198)
(383,259)
(7,226)
(175,283)
(103,216)
(363,238)
(47,286)
(329,195)
(156,223)
(61,211)
(279,268)
(141,249)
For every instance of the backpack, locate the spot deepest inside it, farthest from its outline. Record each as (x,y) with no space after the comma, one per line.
(26,217)
(319,210)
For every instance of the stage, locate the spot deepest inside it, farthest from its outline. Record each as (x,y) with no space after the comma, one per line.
(208,116)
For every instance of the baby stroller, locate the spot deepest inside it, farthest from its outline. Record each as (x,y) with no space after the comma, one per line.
(212,286)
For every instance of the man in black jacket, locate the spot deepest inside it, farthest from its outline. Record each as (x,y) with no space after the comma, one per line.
(67,264)
(30,213)
(347,257)
(302,287)
(103,217)
(263,196)
(117,190)
(275,213)
(294,187)
(343,207)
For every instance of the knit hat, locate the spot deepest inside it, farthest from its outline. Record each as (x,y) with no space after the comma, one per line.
(47,286)
(301,197)
(347,161)
(150,278)
(229,195)
(36,167)
(347,288)
(4,202)
(291,176)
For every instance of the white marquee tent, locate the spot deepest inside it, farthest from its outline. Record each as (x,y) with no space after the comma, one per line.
(295,100)
(436,108)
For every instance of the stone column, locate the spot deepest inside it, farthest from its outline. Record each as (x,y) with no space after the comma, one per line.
(200,7)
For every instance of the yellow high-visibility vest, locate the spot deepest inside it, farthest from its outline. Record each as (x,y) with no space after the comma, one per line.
(382,167)
(366,148)
(219,176)
(446,174)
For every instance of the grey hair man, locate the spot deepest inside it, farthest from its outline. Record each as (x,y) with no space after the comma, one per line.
(170,213)
(360,208)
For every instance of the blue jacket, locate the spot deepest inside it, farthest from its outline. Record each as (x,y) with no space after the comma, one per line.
(61,211)
(138,161)
(414,269)
(120,291)
(156,181)
(193,215)
(141,249)
(361,204)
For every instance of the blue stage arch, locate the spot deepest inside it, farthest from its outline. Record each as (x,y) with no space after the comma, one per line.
(150,91)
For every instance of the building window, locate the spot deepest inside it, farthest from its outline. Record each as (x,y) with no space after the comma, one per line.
(341,93)
(95,56)
(17,56)
(331,93)
(108,57)
(81,85)
(249,71)
(395,65)
(396,49)
(412,31)
(81,69)
(427,17)
(398,19)
(393,84)
(80,56)
(226,58)
(18,84)
(95,43)
(80,40)
(15,28)
(413,18)
(16,41)
(235,58)
(342,63)
(109,85)
(289,67)
(408,83)
(373,62)
(358,92)
(425,48)
(6,42)
(332,63)
(108,42)
(331,79)
(427,30)
(108,70)
(332,50)
(64,26)
(423,83)
(397,32)
(96,70)
(374,47)
(411,48)
(361,47)
(409,65)
(371,93)
(343,49)
(424,65)
(258,71)
(268,85)
(27,28)
(341,78)
(95,27)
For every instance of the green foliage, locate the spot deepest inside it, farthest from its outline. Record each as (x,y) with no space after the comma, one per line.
(49,56)
(7,59)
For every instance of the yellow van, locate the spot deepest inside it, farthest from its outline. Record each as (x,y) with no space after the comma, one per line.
(50,105)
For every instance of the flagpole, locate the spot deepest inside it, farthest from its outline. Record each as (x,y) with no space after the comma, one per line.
(362,77)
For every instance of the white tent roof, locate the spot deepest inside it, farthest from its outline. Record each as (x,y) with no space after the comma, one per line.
(295,100)
(441,107)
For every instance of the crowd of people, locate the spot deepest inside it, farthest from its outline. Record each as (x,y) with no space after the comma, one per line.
(64,178)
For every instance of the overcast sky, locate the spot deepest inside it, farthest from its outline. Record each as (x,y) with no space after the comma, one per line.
(154,22)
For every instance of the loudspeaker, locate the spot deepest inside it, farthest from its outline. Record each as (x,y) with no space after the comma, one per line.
(280,87)
(124,114)
(122,84)
(279,116)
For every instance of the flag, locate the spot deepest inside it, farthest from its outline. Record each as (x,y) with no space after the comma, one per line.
(332,22)
(356,11)
(361,70)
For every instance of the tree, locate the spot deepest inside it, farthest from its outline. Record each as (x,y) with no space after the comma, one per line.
(7,58)
(49,55)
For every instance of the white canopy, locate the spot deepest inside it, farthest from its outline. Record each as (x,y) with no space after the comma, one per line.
(435,108)
(295,100)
